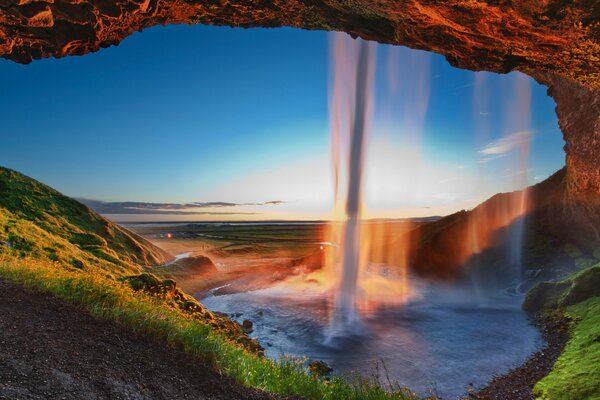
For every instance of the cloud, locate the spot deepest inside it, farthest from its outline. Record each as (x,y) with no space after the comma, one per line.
(226,204)
(448,180)
(501,147)
(196,208)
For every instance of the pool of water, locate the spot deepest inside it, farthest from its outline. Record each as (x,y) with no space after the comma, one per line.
(444,341)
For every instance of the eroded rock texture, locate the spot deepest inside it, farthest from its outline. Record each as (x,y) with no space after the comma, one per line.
(557,41)
(578,110)
(496,35)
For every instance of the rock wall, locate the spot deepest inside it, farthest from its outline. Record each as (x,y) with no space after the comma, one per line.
(556,41)
(578,110)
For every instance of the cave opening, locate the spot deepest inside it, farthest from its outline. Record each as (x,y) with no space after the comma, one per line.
(168,128)
(441,140)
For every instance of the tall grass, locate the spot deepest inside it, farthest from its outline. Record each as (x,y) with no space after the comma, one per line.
(108,299)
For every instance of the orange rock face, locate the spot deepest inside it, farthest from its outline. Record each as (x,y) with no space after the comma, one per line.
(496,35)
(555,41)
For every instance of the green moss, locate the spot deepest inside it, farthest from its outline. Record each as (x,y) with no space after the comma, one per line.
(584,285)
(576,288)
(576,374)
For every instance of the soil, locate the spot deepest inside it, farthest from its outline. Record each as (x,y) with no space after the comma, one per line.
(518,383)
(50,349)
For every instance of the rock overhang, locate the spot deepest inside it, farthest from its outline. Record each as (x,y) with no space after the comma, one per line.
(557,42)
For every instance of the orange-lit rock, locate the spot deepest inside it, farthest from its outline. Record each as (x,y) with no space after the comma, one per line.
(494,35)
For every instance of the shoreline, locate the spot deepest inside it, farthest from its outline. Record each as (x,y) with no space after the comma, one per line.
(518,383)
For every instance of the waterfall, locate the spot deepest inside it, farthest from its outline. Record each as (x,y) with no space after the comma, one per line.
(351,97)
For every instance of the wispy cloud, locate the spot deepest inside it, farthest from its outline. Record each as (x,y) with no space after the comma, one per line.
(448,180)
(501,147)
(196,208)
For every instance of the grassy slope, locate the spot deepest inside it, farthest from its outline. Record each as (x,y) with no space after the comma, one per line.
(37,220)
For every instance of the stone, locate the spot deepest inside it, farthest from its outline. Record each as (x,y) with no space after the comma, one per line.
(247,325)
(319,368)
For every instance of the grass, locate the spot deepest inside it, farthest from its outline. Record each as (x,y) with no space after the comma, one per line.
(576,373)
(111,300)
(570,291)
(36,220)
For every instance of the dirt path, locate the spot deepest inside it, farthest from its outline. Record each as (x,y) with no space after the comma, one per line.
(52,350)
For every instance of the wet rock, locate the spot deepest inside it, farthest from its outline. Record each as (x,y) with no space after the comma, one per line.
(544,295)
(247,325)
(167,291)
(319,368)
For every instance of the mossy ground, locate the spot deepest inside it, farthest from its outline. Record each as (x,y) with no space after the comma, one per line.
(576,374)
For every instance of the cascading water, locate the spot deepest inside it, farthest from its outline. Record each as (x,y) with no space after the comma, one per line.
(520,112)
(351,96)
(348,313)
(508,213)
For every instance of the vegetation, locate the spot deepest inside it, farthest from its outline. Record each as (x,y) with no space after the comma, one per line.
(171,295)
(576,374)
(576,288)
(150,315)
(36,220)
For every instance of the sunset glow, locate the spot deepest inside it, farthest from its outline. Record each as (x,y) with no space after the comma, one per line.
(438,130)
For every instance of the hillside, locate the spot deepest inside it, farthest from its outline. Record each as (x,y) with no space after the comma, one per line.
(58,351)
(560,235)
(38,221)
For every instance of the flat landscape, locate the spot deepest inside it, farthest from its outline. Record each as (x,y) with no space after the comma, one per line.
(242,256)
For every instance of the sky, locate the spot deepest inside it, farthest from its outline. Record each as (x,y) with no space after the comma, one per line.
(216,123)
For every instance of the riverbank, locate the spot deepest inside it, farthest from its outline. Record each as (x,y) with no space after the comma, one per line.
(519,382)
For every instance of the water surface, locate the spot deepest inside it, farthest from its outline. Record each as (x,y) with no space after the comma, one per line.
(445,341)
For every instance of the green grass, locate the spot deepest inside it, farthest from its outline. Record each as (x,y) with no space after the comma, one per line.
(36,220)
(576,374)
(570,291)
(109,299)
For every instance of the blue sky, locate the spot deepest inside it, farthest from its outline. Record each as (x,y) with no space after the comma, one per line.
(184,114)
